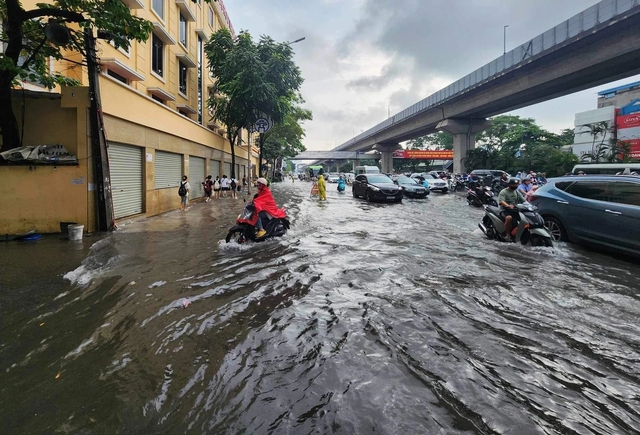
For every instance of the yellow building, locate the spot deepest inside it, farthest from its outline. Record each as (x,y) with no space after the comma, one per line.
(157,123)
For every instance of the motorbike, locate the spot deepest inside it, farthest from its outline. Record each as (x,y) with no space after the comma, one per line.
(244,232)
(529,228)
(480,196)
(341,186)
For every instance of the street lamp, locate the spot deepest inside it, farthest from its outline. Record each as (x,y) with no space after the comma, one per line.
(389,111)
(505,39)
(297,40)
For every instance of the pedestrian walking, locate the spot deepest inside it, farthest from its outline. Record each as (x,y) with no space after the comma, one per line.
(208,188)
(183,192)
(216,188)
(322,188)
(224,183)
(234,184)
(244,182)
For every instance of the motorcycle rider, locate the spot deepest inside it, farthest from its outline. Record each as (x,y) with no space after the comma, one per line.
(508,199)
(265,205)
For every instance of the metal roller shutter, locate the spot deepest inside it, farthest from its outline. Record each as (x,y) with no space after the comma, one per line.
(227,169)
(214,168)
(125,165)
(196,176)
(168,169)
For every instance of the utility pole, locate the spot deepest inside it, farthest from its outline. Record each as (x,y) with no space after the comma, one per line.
(104,202)
(505,39)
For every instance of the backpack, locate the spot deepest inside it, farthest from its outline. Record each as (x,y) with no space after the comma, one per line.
(216,184)
(182,191)
(233,183)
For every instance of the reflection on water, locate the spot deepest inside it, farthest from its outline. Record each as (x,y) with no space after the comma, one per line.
(364,318)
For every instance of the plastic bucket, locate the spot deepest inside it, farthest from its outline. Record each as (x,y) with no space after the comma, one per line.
(75,232)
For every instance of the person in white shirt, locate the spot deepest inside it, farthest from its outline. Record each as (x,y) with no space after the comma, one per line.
(183,191)
(234,184)
(225,185)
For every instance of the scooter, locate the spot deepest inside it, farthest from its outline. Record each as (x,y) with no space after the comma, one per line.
(530,227)
(481,196)
(341,186)
(244,231)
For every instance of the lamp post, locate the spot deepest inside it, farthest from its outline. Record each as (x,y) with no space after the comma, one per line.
(297,40)
(389,111)
(505,39)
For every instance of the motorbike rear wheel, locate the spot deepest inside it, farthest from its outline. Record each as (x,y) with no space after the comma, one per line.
(541,241)
(236,235)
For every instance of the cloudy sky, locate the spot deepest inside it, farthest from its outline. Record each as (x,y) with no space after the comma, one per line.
(363,58)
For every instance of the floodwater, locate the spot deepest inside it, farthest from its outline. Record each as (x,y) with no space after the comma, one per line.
(363,319)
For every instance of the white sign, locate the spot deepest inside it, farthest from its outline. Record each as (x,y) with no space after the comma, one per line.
(149,157)
(262,125)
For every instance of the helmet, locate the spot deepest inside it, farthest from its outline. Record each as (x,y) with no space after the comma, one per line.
(262,180)
(527,178)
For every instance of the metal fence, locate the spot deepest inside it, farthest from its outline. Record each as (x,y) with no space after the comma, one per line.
(588,21)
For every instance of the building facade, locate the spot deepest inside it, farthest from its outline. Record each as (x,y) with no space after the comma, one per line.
(154,105)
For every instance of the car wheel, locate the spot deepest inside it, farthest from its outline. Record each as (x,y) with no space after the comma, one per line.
(367,197)
(556,229)
(353,191)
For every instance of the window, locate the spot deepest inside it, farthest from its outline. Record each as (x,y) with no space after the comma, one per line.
(183,113)
(625,193)
(563,185)
(183,30)
(117,76)
(158,8)
(158,99)
(184,74)
(596,190)
(211,17)
(200,100)
(157,55)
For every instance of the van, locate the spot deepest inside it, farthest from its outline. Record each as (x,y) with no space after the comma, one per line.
(367,170)
(606,168)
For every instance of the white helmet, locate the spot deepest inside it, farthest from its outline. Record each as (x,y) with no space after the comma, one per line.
(262,180)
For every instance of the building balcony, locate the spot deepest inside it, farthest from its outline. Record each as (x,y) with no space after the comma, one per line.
(161,94)
(134,4)
(121,69)
(162,33)
(183,5)
(186,60)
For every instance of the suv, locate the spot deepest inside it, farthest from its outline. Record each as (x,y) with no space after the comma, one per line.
(376,187)
(602,210)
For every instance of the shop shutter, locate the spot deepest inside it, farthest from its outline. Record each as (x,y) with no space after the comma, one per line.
(196,176)
(168,169)
(214,169)
(227,169)
(125,165)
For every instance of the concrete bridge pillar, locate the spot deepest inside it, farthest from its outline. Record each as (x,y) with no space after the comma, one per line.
(464,137)
(386,151)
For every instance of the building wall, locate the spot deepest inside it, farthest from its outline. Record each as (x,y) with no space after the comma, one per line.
(620,99)
(39,197)
(583,141)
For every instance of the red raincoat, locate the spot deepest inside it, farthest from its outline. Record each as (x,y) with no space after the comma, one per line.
(265,202)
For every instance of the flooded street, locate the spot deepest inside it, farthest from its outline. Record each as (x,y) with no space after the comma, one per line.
(364,318)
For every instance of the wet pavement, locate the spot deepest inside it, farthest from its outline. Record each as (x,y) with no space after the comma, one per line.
(364,318)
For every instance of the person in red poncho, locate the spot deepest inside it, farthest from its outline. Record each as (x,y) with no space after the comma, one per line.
(265,206)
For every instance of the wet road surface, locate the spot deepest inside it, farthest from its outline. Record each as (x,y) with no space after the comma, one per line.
(364,318)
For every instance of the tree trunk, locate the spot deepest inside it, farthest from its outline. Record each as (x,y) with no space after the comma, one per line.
(8,122)
(232,140)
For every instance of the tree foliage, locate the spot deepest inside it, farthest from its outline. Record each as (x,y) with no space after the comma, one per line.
(27,50)
(513,144)
(252,80)
(285,139)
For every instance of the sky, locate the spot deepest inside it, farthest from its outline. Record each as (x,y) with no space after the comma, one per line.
(364,59)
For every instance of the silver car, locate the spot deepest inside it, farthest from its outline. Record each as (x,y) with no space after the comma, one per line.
(435,184)
(599,210)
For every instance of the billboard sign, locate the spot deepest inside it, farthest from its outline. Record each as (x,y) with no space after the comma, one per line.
(424,154)
(628,121)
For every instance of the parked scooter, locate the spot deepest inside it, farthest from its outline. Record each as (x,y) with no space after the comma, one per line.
(481,196)
(529,228)
(244,231)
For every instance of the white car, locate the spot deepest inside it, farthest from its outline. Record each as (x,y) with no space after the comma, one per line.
(435,184)
(332,178)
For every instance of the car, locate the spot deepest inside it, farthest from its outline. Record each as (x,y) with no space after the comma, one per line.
(333,178)
(411,187)
(376,187)
(435,184)
(599,210)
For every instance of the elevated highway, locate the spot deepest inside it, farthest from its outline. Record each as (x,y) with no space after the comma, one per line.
(599,45)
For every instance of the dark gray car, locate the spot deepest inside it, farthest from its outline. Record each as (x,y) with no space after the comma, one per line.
(595,210)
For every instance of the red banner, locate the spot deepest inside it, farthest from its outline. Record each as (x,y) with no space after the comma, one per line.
(634,146)
(628,121)
(424,154)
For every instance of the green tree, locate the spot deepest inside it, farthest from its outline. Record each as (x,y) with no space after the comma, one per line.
(27,49)
(252,80)
(285,139)
(599,151)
